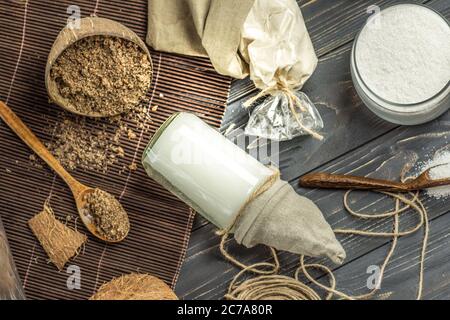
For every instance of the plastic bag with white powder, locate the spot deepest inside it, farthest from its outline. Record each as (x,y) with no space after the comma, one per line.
(266,39)
(276,45)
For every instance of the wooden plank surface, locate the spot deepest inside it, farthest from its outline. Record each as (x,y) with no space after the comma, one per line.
(402,274)
(357,142)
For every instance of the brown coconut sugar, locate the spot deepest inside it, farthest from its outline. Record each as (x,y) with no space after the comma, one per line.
(108,215)
(76,145)
(93,144)
(59,241)
(102,75)
(135,287)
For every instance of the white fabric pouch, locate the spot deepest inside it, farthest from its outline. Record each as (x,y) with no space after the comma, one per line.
(276,45)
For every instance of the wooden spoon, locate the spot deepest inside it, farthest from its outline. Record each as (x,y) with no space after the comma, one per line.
(336,181)
(79,190)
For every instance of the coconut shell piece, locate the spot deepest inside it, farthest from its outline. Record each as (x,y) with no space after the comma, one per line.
(59,241)
(90,26)
(135,287)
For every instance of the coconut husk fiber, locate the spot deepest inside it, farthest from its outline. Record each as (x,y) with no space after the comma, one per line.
(135,287)
(89,26)
(10,286)
(59,241)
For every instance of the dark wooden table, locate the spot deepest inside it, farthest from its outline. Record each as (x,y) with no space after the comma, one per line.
(357,142)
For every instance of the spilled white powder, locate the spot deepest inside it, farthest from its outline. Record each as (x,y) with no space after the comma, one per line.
(403,54)
(440,165)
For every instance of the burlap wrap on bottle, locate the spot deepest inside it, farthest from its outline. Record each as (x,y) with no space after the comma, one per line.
(284,220)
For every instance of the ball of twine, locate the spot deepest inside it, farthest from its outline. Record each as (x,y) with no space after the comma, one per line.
(270,285)
(276,287)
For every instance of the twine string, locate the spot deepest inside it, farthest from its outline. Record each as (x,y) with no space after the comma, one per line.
(269,182)
(293,101)
(269,284)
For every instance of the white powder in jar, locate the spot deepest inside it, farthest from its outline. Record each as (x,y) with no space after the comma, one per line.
(440,169)
(403,54)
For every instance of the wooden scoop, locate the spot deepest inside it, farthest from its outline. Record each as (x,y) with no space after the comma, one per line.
(336,181)
(79,190)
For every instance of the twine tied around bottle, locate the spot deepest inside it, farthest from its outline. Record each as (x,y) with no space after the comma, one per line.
(265,185)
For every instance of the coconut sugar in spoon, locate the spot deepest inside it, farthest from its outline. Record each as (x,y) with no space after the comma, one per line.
(80,192)
(337,181)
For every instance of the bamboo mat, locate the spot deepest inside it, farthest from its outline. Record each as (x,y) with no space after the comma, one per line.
(160,223)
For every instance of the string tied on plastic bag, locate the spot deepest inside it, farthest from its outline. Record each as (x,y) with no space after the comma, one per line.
(266,116)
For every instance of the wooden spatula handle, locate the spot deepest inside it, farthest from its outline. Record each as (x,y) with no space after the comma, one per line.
(27,136)
(336,181)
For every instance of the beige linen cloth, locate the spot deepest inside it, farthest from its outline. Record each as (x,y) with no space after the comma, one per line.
(201,28)
(267,39)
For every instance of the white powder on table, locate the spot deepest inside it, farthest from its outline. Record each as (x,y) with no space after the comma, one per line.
(403,54)
(440,169)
